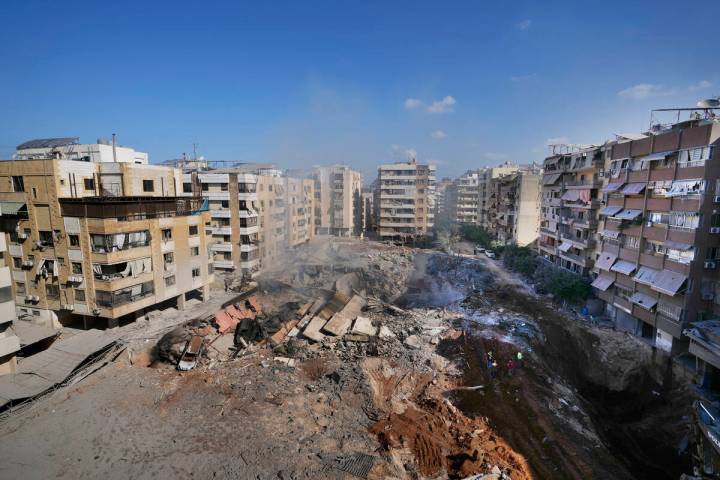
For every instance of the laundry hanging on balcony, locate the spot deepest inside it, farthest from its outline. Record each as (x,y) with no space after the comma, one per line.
(686,187)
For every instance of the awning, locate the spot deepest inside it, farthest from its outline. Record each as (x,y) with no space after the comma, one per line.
(676,245)
(645,301)
(628,214)
(646,275)
(686,187)
(12,209)
(612,187)
(603,282)
(611,233)
(570,195)
(656,156)
(551,179)
(623,266)
(610,210)
(668,282)
(633,188)
(565,246)
(606,260)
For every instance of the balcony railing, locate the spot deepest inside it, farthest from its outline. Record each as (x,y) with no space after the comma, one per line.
(124,295)
(130,208)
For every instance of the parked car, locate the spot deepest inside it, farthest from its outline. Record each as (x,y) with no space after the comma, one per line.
(489,254)
(194,348)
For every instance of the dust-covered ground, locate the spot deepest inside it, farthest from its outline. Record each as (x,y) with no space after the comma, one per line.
(414,401)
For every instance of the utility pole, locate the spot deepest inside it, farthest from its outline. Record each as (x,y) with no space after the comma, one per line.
(114,151)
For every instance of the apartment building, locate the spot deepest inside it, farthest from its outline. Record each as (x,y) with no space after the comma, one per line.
(441,198)
(368,198)
(569,210)
(463,198)
(485,177)
(405,200)
(9,342)
(100,242)
(660,233)
(70,148)
(233,232)
(300,205)
(338,201)
(514,206)
(272,215)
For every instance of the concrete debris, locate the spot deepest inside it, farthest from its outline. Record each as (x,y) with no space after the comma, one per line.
(340,323)
(413,341)
(364,326)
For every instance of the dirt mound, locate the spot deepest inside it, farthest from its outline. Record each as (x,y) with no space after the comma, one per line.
(424,432)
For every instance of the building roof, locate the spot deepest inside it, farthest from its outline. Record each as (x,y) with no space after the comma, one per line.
(49,142)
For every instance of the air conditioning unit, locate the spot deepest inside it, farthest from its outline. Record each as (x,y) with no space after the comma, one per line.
(68,307)
(710,264)
(22,236)
(32,298)
(714,229)
(707,296)
(75,279)
(27,263)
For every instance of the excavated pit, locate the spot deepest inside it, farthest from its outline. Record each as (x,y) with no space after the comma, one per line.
(568,410)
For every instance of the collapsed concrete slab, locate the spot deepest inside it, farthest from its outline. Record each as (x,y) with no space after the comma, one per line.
(340,323)
(364,326)
(312,330)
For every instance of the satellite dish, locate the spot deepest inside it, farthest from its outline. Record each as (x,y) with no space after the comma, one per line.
(709,103)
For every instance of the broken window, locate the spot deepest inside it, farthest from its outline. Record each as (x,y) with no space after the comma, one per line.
(80,295)
(76,268)
(52,291)
(119,241)
(166,234)
(170,281)
(45,238)
(194,251)
(119,270)
(124,295)
(195,272)
(89,183)
(18,184)
(193,230)
(74,240)
(148,185)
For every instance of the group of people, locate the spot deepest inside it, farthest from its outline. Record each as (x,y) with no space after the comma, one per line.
(511,365)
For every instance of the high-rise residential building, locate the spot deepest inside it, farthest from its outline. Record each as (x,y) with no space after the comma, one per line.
(514,206)
(338,202)
(660,233)
(368,197)
(233,232)
(485,178)
(100,242)
(463,198)
(441,198)
(9,342)
(570,202)
(300,205)
(272,215)
(405,200)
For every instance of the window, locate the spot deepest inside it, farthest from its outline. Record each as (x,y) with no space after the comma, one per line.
(170,281)
(76,268)
(193,230)
(89,183)
(80,295)
(122,241)
(166,234)
(223,187)
(195,272)
(52,291)
(34,192)
(6,294)
(18,184)
(20,288)
(46,238)
(194,251)
(168,258)
(187,187)
(148,186)
(631,242)
(17,262)
(74,240)
(225,204)
(669,310)
(712,253)
(623,292)
(61,261)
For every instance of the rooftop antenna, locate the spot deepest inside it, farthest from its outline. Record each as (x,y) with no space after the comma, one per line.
(195,145)
(114,151)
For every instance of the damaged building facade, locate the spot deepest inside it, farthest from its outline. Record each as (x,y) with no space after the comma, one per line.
(569,211)
(405,200)
(461,198)
(338,205)
(9,341)
(99,242)
(659,235)
(514,206)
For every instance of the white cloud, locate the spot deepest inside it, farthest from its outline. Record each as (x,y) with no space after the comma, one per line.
(438,135)
(495,156)
(447,104)
(644,90)
(557,140)
(523,24)
(434,161)
(701,85)
(523,78)
(411,103)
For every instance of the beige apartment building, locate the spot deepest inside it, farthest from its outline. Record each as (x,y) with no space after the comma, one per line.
(405,200)
(338,206)
(9,342)
(272,215)
(514,206)
(463,197)
(485,178)
(300,205)
(100,243)
(570,204)
(233,233)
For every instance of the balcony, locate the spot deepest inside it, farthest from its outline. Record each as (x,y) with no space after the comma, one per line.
(220,213)
(124,296)
(578,242)
(221,247)
(580,260)
(130,208)
(224,230)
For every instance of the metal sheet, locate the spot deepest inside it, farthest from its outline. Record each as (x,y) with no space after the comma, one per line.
(565,246)
(551,179)
(603,282)
(669,282)
(646,275)
(628,214)
(633,188)
(612,187)
(610,210)
(611,234)
(623,266)
(606,260)
(645,301)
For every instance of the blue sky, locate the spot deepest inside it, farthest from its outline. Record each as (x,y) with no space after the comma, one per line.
(462,84)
